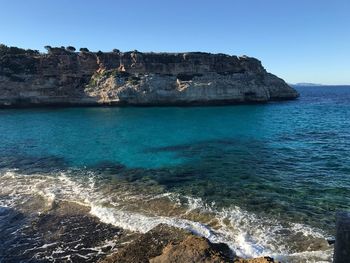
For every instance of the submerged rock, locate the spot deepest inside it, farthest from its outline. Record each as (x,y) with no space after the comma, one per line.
(64,77)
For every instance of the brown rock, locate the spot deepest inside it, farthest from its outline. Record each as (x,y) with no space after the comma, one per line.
(193,249)
(169,244)
(166,244)
(149,245)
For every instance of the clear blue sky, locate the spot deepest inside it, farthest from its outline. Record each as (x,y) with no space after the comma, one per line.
(299,40)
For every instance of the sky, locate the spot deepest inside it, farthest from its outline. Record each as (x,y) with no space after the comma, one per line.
(298,40)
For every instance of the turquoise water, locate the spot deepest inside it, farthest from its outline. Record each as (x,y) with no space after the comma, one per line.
(284,160)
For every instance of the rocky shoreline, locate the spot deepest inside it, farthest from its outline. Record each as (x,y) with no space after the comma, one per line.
(173,245)
(63,77)
(66,232)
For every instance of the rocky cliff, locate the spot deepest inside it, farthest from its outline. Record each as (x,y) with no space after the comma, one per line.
(65,77)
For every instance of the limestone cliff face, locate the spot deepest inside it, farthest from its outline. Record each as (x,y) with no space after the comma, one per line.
(64,77)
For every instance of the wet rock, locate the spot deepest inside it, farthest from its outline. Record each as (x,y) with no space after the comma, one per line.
(148,245)
(73,233)
(166,244)
(65,233)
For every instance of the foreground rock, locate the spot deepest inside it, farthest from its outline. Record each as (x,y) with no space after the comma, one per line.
(165,244)
(64,233)
(65,77)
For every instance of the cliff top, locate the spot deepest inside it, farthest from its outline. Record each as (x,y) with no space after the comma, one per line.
(10,50)
(16,60)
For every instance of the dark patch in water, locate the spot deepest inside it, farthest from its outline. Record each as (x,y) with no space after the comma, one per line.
(26,164)
(109,167)
(249,173)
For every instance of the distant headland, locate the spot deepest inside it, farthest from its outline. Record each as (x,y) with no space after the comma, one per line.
(307,84)
(65,77)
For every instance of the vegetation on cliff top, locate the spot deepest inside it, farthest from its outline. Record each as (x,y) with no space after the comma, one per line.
(5,50)
(8,50)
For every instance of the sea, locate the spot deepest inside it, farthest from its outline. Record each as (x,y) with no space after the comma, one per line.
(266,179)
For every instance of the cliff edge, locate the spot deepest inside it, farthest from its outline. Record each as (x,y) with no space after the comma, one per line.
(65,77)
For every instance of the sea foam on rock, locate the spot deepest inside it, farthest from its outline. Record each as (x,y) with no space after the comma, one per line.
(64,77)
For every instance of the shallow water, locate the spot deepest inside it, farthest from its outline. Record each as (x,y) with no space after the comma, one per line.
(266,179)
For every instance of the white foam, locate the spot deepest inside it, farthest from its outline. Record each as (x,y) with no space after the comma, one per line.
(319,256)
(307,231)
(140,223)
(246,234)
(45,246)
(249,238)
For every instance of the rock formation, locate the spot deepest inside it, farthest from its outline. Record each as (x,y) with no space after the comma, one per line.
(65,231)
(166,244)
(65,77)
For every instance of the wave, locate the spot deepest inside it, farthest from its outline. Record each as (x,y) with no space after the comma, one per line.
(247,234)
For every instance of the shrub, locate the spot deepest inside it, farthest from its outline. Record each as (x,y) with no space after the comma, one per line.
(84,49)
(48,48)
(32,52)
(70,48)
(5,50)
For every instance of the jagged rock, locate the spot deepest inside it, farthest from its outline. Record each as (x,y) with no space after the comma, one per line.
(64,77)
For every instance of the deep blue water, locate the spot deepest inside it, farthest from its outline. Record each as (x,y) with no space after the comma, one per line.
(287,160)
